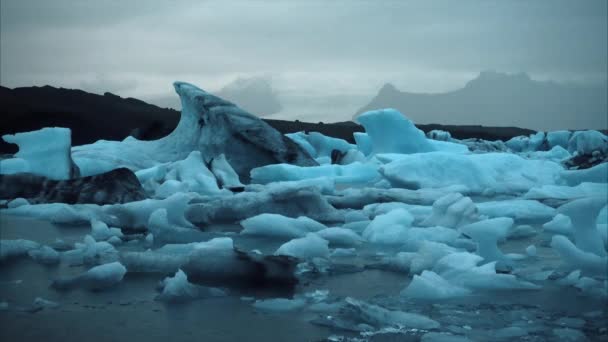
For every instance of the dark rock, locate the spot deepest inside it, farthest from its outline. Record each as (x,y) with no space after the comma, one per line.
(116,186)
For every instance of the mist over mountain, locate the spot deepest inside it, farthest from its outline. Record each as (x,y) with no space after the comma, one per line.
(255,95)
(502,99)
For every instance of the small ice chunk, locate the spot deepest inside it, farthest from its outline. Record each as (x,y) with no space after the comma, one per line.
(583,213)
(177,289)
(41,303)
(570,335)
(340,236)
(91,252)
(380,317)
(224,173)
(44,152)
(275,225)
(308,247)
(392,132)
(560,224)
(486,234)
(389,228)
(596,174)
(452,210)
(521,232)
(429,285)
(531,251)
(45,255)
(97,278)
(517,209)
(575,258)
(100,231)
(16,248)
(17,202)
(280,304)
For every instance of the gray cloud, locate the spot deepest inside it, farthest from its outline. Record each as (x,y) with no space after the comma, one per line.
(319,50)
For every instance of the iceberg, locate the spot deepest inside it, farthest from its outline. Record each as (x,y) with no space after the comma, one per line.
(97,278)
(391,132)
(208,124)
(308,247)
(45,152)
(279,226)
(500,172)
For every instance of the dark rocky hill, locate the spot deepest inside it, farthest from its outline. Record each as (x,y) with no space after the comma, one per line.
(92,117)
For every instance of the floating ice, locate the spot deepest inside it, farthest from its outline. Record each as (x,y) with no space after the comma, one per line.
(178,289)
(380,317)
(137,214)
(364,142)
(443,337)
(351,173)
(586,142)
(16,248)
(340,236)
(429,285)
(560,224)
(163,230)
(391,132)
(583,213)
(44,152)
(224,173)
(280,304)
(91,252)
(452,210)
(308,247)
(274,225)
(428,254)
(558,138)
(17,202)
(286,200)
(575,258)
(503,173)
(596,174)
(97,278)
(486,234)
(390,228)
(527,210)
(45,255)
(100,231)
(568,192)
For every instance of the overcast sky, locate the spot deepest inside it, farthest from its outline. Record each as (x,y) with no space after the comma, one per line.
(337,53)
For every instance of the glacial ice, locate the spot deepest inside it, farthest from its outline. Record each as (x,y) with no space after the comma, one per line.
(586,142)
(100,231)
(558,138)
(583,214)
(343,174)
(560,224)
(45,255)
(391,132)
(45,152)
(274,225)
(429,285)
(389,228)
(224,173)
(340,236)
(307,247)
(452,210)
(486,234)
(596,174)
(517,209)
(16,248)
(178,289)
(574,258)
(500,172)
(97,278)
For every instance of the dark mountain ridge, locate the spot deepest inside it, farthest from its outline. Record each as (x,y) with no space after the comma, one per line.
(92,117)
(512,99)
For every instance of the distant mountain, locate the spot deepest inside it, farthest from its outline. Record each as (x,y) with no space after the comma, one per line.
(500,99)
(254,95)
(92,117)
